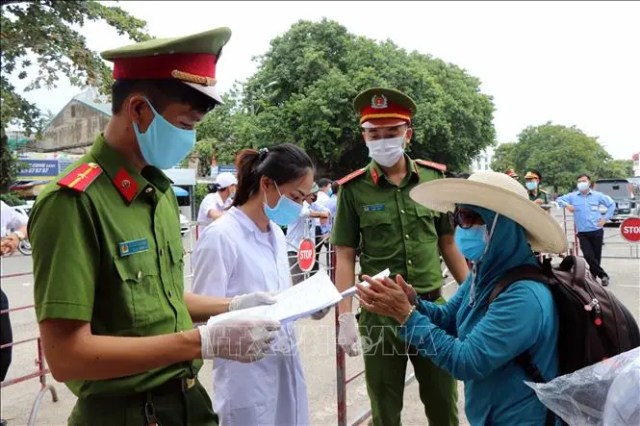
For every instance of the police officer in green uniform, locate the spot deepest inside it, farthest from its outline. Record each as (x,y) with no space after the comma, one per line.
(115,323)
(376,214)
(532,182)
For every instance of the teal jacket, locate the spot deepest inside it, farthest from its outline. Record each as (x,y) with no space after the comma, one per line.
(478,343)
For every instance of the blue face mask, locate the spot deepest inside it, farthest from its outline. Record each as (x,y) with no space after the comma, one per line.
(472,242)
(583,186)
(285,212)
(330,193)
(531,185)
(164,145)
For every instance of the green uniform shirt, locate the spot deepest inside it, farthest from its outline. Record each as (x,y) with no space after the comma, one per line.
(540,195)
(393,231)
(82,271)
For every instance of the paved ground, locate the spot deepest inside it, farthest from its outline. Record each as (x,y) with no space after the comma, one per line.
(317,345)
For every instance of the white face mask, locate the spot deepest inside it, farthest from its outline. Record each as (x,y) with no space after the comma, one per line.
(388,151)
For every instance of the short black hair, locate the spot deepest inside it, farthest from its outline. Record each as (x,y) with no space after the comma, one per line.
(324,182)
(161,93)
(282,163)
(584,175)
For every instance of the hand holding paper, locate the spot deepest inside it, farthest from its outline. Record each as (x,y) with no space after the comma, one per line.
(352,291)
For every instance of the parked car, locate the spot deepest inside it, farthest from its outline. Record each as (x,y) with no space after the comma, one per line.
(184,225)
(626,195)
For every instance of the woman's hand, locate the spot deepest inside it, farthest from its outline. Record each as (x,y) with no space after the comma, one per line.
(385,297)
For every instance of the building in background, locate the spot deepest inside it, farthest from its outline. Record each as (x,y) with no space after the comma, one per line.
(483,161)
(75,126)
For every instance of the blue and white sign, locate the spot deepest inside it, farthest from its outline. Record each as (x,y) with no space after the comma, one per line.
(37,168)
(227,168)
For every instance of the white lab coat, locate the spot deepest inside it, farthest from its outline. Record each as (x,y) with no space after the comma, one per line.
(234,257)
(211,201)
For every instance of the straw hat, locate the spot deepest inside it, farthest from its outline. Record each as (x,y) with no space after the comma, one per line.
(500,193)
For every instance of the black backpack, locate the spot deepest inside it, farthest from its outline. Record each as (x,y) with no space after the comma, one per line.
(594,324)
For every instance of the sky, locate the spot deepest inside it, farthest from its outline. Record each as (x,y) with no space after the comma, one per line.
(571,63)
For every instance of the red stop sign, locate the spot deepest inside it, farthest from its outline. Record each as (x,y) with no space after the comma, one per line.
(306,254)
(630,229)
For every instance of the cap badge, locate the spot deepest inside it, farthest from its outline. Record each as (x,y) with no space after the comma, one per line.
(379,102)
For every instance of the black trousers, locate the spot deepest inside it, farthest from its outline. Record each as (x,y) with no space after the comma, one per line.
(591,245)
(6,336)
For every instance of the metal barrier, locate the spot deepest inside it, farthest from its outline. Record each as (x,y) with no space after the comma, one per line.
(40,363)
(326,260)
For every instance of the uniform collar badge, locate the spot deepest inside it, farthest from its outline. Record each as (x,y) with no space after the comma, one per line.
(126,185)
(374,175)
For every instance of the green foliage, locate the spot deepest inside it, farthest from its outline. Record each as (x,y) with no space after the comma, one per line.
(615,169)
(204,149)
(8,165)
(201,191)
(303,92)
(504,157)
(560,153)
(43,31)
(12,199)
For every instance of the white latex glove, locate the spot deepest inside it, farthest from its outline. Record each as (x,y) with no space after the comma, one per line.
(237,339)
(250,300)
(348,334)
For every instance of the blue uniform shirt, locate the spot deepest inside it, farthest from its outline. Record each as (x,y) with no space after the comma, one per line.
(587,208)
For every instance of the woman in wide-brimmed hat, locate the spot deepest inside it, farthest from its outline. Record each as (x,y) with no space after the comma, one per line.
(497,229)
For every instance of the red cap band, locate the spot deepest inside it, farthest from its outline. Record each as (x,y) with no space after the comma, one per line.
(390,111)
(161,66)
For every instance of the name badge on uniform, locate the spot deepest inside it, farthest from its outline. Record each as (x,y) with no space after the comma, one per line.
(128,248)
(374,208)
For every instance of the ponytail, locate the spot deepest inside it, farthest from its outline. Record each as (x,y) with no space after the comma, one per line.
(248,180)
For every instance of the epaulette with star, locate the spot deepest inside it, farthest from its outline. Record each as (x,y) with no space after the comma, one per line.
(432,165)
(351,176)
(81,177)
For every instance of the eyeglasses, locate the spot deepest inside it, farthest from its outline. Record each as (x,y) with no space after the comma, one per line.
(464,218)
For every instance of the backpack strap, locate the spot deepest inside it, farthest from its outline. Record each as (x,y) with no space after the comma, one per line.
(524,360)
(579,267)
(524,272)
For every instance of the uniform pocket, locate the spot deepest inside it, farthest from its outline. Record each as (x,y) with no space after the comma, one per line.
(139,276)
(426,223)
(375,219)
(176,251)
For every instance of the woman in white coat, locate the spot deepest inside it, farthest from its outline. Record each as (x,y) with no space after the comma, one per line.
(245,251)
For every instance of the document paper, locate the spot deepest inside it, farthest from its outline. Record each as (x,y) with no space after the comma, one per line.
(299,301)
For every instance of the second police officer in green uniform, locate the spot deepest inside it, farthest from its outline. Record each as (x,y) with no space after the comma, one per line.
(115,322)
(532,182)
(376,214)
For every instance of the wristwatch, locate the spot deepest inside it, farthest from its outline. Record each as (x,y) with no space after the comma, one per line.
(19,234)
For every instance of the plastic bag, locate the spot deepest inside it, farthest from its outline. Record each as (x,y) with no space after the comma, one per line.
(606,393)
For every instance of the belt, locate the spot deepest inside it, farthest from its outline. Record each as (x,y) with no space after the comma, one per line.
(431,296)
(173,386)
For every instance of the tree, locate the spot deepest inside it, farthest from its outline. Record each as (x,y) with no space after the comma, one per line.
(9,166)
(303,90)
(615,169)
(504,157)
(560,153)
(42,33)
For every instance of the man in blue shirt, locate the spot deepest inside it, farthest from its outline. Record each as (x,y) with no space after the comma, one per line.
(585,206)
